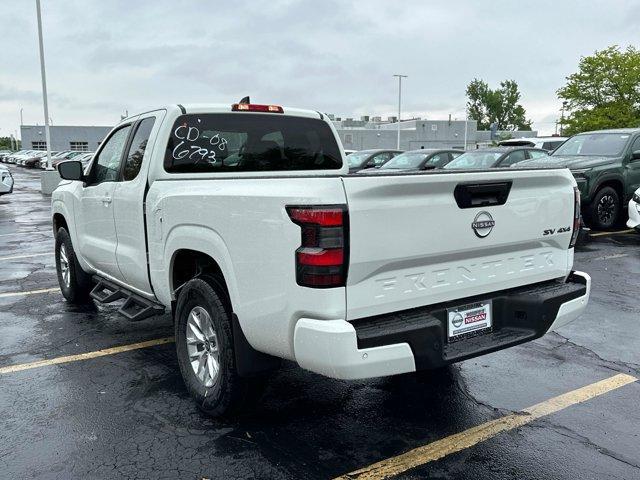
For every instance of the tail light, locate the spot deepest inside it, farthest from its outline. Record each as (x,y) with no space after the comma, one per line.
(576,217)
(322,259)
(253,107)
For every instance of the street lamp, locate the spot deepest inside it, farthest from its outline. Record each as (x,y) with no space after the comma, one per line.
(564,106)
(466,121)
(44,87)
(400,77)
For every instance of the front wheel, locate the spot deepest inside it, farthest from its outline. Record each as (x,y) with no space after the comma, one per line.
(604,209)
(204,345)
(75,284)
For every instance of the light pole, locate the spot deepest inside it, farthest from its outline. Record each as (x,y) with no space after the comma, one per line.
(564,105)
(44,88)
(466,120)
(21,122)
(400,77)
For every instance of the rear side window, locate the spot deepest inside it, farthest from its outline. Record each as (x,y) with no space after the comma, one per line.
(551,145)
(515,157)
(246,142)
(137,149)
(537,154)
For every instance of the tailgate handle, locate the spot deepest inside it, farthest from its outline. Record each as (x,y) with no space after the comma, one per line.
(470,195)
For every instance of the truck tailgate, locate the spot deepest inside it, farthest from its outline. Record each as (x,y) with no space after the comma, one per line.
(414,241)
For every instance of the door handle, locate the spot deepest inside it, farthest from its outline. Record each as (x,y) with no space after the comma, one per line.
(106,200)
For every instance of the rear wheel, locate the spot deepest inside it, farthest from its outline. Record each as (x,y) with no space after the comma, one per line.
(604,210)
(205,350)
(75,284)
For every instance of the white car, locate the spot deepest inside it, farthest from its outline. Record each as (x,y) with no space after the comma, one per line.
(6,180)
(243,222)
(634,211)
(545,143)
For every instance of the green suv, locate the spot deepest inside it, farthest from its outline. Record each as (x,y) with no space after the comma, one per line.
(606,166)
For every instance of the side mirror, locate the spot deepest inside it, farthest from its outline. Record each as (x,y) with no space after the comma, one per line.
(635,155)
(428,166)
(70,170)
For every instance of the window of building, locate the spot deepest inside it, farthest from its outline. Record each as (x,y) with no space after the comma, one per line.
(79,146)
(39,145)
(348,138)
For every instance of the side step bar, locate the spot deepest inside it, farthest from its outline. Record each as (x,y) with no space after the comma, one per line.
(134,308)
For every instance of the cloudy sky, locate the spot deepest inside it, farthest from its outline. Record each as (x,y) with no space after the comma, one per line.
(337,56)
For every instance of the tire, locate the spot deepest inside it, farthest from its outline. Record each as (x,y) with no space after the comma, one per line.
(217,391)
(75,283)
(604,209)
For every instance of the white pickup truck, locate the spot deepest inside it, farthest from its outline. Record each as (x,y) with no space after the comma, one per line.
(242,220)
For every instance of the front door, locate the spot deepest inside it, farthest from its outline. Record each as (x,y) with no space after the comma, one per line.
(95,220)
(128,206)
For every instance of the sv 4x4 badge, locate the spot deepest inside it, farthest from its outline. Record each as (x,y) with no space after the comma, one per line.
(551,231)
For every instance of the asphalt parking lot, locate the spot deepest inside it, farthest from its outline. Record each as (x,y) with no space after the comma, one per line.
(86,394)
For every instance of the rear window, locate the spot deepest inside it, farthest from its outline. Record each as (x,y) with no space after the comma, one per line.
(246,142)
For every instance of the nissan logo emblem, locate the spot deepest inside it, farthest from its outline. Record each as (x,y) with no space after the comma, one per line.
(483,224)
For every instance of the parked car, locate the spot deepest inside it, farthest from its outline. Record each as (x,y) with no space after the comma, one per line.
(6,181)
(370,159)
(351,276)
(634,211)
(32,160)
(545,143)
(423,159)
(496,157)
(13,158)
(606,165)
(4,154)
(60,157)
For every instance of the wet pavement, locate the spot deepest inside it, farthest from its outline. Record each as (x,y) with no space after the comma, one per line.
(127,415)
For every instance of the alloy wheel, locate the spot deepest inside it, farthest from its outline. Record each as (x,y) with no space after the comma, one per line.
(606,209)
(202,346)
(65,271)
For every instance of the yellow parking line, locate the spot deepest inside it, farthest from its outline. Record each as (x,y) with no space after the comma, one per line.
(601,234)
(85,356)
(29,292)
(27,256)
(463,440)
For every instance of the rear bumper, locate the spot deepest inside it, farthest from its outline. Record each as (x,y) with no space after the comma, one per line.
(416,339)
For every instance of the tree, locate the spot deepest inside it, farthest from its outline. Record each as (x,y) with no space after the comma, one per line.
(604,92)
(5,143)
(501,106)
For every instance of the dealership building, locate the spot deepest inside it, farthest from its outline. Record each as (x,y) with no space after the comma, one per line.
(365,133)
(63,137)
(374,132)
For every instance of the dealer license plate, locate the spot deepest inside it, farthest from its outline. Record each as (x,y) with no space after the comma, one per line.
(468,320)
